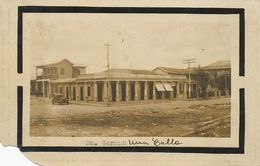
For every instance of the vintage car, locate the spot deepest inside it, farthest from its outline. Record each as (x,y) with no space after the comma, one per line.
(58,98)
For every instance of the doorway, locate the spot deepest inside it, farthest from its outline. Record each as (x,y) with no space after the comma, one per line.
(74,93)
(113,91)
(123,90)
(81,93)
(67,92)
(150,90)
(132,91)
(99,91)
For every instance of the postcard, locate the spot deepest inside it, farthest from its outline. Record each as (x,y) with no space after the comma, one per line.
(148,82)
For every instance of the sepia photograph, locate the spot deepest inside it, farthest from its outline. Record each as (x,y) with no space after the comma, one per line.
(130,75)
(136,82)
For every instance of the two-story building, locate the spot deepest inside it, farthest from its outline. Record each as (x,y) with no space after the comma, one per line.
(45,74)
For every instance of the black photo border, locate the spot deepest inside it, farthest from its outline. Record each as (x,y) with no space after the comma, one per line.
(129,10)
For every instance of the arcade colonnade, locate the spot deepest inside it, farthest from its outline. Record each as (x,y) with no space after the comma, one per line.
(119,91)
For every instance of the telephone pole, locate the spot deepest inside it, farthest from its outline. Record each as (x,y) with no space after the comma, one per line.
(108,74)
(189,61)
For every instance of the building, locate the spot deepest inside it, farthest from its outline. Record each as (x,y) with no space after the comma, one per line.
(119,85)
(181,74)
(55,71)
(219,78)
(116,85)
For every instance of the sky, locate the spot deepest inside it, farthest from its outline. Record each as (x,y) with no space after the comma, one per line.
(138,41)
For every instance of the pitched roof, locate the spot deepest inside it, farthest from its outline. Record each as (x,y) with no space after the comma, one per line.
(51,64)
(79,66)
(225,64)
(171,70)
(132,71)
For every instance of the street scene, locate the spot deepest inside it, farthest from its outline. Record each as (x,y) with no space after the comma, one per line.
(193,102)
(207,118)
(163,76)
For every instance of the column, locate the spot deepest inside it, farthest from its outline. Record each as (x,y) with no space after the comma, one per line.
(86,91)
(63,90)
(95,91)
(171,93)
(227,92)
(216,93)
(197,94)
(77,91)
(136,90)
(177,90)
(109,91)
(226,88)
(105,97)
(197,90)
(36,90)
(127,90)
(163,94)
(49,89)
(68,86)
(184,91)
(71,92)
(145,90)
(43,91)
(154,94)
(117,92)
(219,93)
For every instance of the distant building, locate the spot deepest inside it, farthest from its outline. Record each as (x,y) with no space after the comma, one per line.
(118,85)
(220,77)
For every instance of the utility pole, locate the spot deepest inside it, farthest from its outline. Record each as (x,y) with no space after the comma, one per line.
(108,74)
(189,61)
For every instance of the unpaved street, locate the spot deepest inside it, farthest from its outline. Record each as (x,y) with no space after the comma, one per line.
(205,118)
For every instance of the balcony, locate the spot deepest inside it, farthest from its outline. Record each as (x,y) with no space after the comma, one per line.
(49,76)
(39,77)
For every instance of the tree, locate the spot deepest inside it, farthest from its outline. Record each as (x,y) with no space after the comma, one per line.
(202,77)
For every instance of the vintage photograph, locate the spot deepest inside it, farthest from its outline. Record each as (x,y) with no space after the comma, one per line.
(130,75)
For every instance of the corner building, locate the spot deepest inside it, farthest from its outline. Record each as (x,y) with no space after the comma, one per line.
(114,85)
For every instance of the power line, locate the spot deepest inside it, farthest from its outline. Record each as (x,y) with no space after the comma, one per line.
(108,74)
(189,61)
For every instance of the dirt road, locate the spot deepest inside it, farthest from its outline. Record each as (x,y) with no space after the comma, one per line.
(204,118)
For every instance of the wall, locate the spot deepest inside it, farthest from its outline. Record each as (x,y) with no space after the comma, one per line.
(67,70)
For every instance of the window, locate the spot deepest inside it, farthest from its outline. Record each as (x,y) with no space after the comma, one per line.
(62,70)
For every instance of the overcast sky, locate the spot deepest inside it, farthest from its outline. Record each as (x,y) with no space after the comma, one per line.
(137,40)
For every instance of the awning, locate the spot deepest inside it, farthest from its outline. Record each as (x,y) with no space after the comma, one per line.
(159,86)
(167,86)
